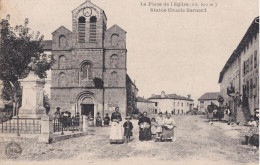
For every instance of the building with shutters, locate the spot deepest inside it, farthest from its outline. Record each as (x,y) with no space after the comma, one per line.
(89,75)
(239,78)
(172,103)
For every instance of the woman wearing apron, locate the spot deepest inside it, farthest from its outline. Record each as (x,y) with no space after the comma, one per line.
(116,134)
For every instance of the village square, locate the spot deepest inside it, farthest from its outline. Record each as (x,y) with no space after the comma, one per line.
(71,98)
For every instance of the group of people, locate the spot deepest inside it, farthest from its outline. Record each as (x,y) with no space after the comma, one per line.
(106,120)
(160,128)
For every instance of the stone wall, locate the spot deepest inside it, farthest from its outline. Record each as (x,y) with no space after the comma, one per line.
(115,97)
(149,107)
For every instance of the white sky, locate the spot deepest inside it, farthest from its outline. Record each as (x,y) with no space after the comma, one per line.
(179,53)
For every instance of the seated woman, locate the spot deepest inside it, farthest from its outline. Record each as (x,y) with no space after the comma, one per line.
(98,120)
(116,134)
(168,128)
(90,120)
(144,127)
(106,120)
(253,129)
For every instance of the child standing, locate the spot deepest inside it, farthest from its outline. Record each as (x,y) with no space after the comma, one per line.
(128,126)
(153,127)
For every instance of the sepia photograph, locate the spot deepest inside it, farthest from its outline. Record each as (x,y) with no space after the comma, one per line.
(129,82)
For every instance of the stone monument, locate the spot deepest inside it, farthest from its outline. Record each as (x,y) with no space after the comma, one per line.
(32,102)
(32,95)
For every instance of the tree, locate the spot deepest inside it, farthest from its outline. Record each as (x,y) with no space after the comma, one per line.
(18,46)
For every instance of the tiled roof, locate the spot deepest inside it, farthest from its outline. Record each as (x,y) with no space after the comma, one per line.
(141,99)
(210,96)
(47,45)
(170,96)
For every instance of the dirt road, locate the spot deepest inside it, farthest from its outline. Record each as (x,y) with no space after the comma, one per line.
(196,142)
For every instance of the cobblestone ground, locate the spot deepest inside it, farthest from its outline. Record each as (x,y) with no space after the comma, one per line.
(196,142)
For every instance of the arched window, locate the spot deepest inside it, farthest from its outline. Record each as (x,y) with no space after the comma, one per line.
(114,39)
(93,29)
(114,61)
(87,72)
(62,62)
(62,80)
(82,29)
(114,78)
(62,41)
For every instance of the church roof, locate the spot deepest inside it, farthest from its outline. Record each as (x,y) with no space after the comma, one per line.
(171,96)
(62,28)
(115,26)
(87,1)
(210,96)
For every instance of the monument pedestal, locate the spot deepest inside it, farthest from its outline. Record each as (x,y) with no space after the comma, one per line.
(32,98)
(32,106)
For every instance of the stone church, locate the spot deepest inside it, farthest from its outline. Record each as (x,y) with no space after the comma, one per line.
(89,74)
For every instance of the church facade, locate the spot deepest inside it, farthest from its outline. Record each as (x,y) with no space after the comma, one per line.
(90,72)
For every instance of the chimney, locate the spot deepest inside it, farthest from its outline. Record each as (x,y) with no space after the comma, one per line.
(189,96)
(162,94)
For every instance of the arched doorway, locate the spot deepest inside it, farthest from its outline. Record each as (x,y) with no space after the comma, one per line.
(87,106)
(86,103)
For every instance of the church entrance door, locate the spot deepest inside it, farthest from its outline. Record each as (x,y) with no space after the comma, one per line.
(86,109)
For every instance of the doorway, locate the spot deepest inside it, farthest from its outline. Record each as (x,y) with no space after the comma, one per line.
(86,109)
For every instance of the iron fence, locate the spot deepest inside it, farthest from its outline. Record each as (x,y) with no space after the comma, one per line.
(64,123)
(21,126)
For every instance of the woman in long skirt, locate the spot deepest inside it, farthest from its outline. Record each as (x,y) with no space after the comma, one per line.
(168,128)
(144,128)
(116,134)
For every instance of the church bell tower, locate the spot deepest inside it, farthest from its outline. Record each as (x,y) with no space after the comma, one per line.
(89,26)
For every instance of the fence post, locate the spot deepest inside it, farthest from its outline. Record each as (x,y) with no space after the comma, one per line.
(62,121)
(85,124)
(18,133)
(46,129)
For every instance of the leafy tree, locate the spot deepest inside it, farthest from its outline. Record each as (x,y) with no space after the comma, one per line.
(18,46)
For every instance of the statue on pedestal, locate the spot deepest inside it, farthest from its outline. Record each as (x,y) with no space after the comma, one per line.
(32,65)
